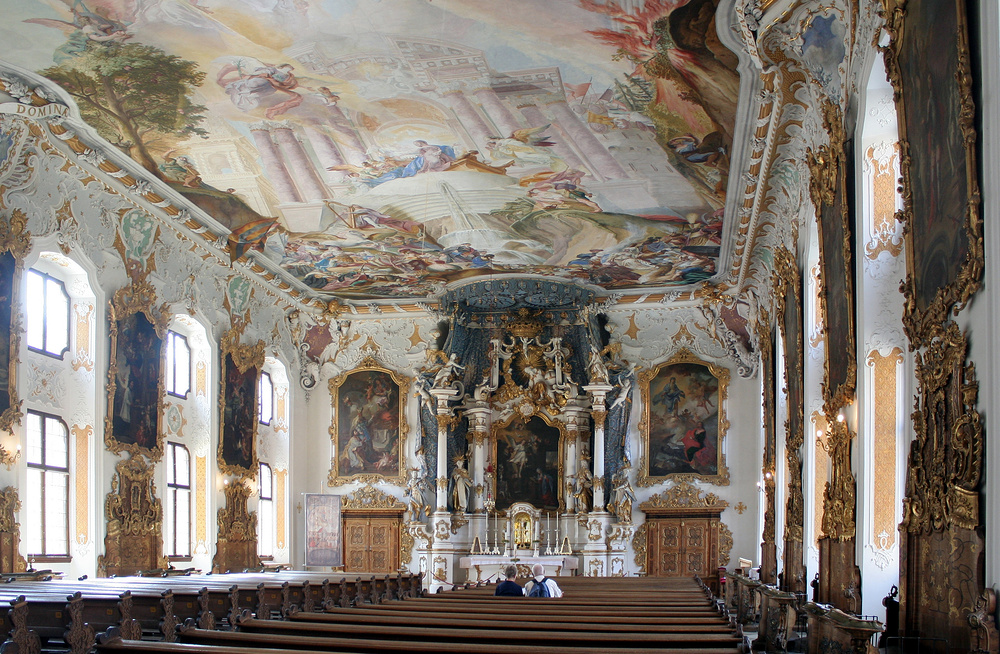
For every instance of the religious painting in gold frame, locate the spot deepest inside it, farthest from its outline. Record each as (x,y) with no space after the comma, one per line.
(684,425)
(929,65)
(527,457)
(134,421)
(238,411)
(15,241)
(830,168)
(369,425)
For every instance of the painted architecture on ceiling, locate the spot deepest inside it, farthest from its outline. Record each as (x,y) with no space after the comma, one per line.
(377,151)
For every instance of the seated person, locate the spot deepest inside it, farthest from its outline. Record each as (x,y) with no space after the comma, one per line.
(551,588)
(510,587)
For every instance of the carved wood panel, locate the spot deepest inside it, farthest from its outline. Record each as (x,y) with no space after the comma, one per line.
(683,546)
(371,544)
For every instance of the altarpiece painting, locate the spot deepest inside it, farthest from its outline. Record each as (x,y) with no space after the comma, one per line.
(241,364)
(9,404)
(684,421)
(528,456)
(369,425)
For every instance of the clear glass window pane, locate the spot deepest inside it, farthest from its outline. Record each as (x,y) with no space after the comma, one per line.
(168,378)
(183,467)
(33,511)
(56,444)
(35,316)
(182,363)
(56,317)
(34,436)
(265,400)
(183,523)
(56,526)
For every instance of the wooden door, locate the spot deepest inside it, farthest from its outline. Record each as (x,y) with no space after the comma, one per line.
(371,544)
(682,547)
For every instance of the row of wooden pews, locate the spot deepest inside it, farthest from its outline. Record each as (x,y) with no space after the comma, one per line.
(72,612)
(299,612)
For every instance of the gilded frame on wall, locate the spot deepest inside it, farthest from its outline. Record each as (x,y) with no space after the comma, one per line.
(369,427)
(137,331)
(671,421)
(504,429)
(15,241)
(829,167)
(241,364)
(929,65)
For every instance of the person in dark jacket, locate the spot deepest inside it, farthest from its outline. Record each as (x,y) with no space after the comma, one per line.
(510,587)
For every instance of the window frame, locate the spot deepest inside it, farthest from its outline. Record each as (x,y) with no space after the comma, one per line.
(173,485)
(46,277)
(269,498)
(45,468)
(260,399)
(170,363)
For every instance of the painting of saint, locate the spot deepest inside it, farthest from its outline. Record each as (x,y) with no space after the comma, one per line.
(136,405)
(324,546)
(367,425)
(684,421)
(239,418)
(7,268)
(527,464)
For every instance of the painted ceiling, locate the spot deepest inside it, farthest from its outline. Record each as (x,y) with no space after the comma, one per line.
(386,148)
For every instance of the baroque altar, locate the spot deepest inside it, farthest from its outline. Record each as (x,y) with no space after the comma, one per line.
(521,451)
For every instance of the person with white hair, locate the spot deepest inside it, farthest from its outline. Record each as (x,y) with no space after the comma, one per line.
(540,585)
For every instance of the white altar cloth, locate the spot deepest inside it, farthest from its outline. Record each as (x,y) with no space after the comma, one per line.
(490,566)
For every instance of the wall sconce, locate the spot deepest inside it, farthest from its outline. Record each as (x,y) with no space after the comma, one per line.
(840,417)
(10,458)
(767,475)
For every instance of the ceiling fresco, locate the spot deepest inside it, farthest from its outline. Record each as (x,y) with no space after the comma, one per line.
(385,148)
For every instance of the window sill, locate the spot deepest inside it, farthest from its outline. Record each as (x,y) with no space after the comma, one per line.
(44,558)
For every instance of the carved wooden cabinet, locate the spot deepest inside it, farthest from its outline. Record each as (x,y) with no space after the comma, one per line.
(371,541)
(682,542)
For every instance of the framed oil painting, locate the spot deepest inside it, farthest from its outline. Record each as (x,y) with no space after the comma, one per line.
(369,425)
(830,171)
(684,423)
(929,65)
(10,405)
(324,545)
(135,373)
(788,291)
(241,364)
(527,455)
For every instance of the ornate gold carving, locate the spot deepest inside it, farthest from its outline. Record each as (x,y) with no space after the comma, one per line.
(135,517)
(563,490)
(15,239)
(14,235)
(740,507)
(787,283)
(244,357)
(725,544)
(237,540)
(137,297)
(922,323)
(457,522)
(406,542)
(839,497)
(683,495)
(10,559)
(369,364)
(639,547)
(721,478)
(599,417)
(370,497)
(946,456)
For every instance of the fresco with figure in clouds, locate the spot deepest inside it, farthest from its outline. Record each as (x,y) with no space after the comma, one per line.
(404,144)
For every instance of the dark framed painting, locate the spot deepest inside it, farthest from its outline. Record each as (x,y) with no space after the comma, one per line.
(369,425)
(830,170)
(684,423)
(10,405)
(928,62)
(324,545)
(241,364)
(788,290)
(528,459)
(135,373)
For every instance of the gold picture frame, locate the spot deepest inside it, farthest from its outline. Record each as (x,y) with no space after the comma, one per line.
(501,429)
(240,372)
(928,63)
(134,420)
(15,241)
(683,421)
(369,427)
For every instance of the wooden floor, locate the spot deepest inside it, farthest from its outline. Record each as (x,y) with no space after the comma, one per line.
(290,611)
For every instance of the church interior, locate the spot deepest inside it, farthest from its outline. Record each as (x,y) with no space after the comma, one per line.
(624,288)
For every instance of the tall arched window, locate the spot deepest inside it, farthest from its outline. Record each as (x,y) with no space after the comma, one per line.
(47,314)
(265,399)
(47,494)
(177,503)
(265,514)
(178,365)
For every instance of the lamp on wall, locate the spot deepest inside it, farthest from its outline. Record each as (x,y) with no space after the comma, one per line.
(9,458)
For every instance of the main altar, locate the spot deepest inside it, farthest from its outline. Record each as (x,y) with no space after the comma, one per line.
(521,452)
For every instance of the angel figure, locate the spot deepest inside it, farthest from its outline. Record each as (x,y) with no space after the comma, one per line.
(448,372)
(85,27)
(526,148)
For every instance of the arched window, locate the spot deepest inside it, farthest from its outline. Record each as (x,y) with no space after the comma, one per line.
(177,504)
(47,496)
(178,365)
(265,513)
(47,314)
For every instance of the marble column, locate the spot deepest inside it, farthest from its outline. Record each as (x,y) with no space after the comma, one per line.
(326,150)
(470,118)
(478,423)
(497,111)
(347,136)
(444,418)
(300,166)
(599,394)
(585,140)
(562,148)
(277,174)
